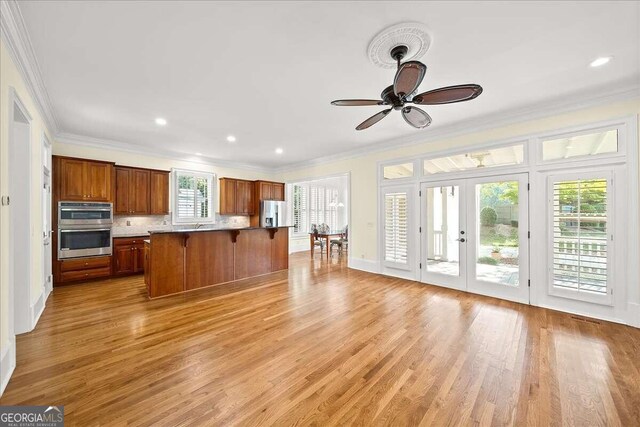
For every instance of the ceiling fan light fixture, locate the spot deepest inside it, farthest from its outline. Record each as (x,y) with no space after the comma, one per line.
(416,117)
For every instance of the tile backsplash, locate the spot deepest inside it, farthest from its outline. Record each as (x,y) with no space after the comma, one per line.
(128,225)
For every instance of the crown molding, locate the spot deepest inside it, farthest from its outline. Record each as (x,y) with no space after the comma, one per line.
(622,91)
(618,93)
(14,32)
(88,141)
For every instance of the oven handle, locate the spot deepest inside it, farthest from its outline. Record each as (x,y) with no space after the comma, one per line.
(86,209)
(84,229)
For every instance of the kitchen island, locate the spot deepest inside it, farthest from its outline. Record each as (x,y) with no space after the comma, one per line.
(184,260)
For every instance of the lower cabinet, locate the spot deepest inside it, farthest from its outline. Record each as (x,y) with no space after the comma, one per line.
(128,255)
(72,270)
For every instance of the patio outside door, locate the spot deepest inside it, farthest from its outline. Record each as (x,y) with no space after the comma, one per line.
(475,235)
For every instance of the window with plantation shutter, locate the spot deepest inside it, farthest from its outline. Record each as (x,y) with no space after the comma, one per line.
(193,197)
(300,209)
(396,224)
(581,235)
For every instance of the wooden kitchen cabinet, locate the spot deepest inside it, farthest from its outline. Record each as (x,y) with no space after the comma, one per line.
(141,191)
(159,193)
(132,191)
(267,190)
(236,197)
(84,268)
(128,254)
(85,180)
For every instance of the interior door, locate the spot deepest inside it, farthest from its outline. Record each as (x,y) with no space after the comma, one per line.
(497,237)
(443,234)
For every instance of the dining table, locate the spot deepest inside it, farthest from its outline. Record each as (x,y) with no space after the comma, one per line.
(326,236)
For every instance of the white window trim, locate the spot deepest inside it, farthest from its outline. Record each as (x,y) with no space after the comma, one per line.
(594,298)
(621,154)
(625,307)
(212,197)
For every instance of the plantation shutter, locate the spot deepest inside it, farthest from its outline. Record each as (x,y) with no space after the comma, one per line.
(300,210)
(194,197)
(396,223)
(581,248)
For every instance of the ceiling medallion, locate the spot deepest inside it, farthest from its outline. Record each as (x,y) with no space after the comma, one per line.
(413,35)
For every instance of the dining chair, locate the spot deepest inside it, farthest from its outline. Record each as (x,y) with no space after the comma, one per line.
(341,243)
(316,240)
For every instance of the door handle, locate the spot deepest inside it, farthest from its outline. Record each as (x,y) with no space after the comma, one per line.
(461,240)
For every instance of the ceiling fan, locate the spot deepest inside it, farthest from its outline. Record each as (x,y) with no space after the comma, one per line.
(403,91)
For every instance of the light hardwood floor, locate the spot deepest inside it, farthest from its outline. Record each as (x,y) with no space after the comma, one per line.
(322,344)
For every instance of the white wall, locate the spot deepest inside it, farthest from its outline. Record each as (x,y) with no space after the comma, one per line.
(10,78)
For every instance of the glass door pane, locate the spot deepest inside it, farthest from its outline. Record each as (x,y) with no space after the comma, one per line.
(443,234)
(497,247)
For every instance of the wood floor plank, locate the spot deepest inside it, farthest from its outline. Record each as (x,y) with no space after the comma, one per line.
(321,344)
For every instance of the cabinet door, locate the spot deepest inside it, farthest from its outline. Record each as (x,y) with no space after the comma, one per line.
(98,181)
(72,177)
(123,184)
(244,198)
(228,196)
(265,191)
(159,193)
(277,191)
(139,191)
(138,258)
(124,259)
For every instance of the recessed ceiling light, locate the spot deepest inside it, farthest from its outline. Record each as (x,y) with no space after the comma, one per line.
(600,61)
(279,151)
(198,154)
(231,138)
(160,121)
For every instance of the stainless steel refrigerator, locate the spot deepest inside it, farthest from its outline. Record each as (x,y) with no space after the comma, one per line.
(273,214)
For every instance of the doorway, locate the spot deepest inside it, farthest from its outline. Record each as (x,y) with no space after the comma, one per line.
(20,218)
(475,235)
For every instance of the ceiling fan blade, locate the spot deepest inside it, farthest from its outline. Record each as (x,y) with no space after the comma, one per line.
(448,95)
(356,102)
(408,78)
(373,119)
(416,117)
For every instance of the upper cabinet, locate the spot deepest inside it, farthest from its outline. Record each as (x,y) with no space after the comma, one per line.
(141,191)
(236,197)
(267,190)
(159,193)
(85,180)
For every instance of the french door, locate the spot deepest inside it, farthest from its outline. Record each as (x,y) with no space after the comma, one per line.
(475,235)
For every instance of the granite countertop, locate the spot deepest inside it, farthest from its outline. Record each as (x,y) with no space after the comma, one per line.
(132,234)
(194,230)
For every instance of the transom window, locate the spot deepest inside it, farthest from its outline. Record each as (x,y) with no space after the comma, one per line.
(399,171)
(193,197)
(486,158)
(591,144)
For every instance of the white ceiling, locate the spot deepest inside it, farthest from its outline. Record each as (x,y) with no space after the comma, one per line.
(266,71)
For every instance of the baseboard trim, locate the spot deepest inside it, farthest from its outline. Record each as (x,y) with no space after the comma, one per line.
(48,287)
(583,314)
(7,364)
(634,314)
(364,265)
(37,309)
